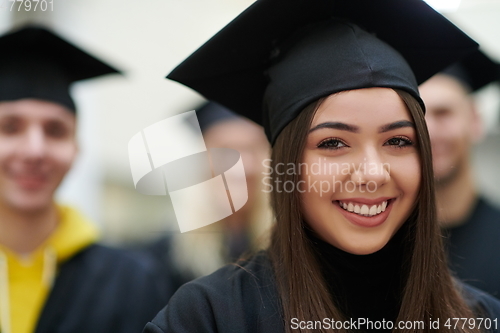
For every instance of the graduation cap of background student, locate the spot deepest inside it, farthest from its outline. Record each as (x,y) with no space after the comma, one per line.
(211,113)
(279,56)
(36,63)
(475,71)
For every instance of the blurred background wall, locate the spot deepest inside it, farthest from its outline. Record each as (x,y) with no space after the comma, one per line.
(146,39)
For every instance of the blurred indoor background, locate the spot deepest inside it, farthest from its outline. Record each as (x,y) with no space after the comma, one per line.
(146,39)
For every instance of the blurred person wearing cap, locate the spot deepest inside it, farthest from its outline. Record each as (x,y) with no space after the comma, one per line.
(184,257)
(334,83)
(54,277)
(471,223)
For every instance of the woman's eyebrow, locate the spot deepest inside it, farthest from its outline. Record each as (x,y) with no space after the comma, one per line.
(355,129)
(336,125)
(396,125)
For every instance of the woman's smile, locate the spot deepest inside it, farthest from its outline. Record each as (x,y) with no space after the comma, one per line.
(365,212)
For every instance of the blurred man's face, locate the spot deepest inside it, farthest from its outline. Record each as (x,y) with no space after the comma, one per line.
(37,148)
(453,123)
(250,141)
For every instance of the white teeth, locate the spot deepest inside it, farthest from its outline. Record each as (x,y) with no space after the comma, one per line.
(364,209)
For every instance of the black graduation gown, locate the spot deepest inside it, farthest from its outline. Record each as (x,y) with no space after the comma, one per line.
(161,252)
(474,248)
(244,299)
(101,290)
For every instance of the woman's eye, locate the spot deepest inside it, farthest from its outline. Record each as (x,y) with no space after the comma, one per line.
(331,144)
(399,142)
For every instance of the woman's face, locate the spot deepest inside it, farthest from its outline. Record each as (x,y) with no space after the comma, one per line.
(37,148)
(361,171)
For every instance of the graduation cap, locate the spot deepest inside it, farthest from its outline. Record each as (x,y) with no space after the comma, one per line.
(36,63)
(278,56)
(212,113)
(475,71)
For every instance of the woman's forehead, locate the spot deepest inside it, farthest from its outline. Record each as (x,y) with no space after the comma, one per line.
(362,107)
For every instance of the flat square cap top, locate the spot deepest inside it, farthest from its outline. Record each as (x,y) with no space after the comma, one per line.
(475,71)
(36,63)
(278,56)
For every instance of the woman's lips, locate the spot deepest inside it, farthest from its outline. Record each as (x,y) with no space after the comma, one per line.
(365,218)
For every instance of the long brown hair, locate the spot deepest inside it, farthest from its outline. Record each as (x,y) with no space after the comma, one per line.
(429,290)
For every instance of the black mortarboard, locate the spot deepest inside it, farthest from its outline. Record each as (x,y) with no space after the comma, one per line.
(278,56)
(211,113)
(475,71)
(35,63)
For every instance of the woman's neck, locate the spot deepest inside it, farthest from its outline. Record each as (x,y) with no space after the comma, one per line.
(23,231)
(365,286)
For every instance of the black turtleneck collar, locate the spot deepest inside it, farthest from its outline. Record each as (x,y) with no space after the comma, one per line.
(365,286)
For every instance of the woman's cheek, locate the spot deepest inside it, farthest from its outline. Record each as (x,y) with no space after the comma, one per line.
(406,173)
(326,167)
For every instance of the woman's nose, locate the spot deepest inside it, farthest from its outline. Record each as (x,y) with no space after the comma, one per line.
(371,171)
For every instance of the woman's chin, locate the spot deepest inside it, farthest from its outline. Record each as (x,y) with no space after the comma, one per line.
(366,251)
(364,247)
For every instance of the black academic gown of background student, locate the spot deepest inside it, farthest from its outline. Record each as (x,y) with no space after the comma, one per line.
(102,290)
(243,298)
(474,248)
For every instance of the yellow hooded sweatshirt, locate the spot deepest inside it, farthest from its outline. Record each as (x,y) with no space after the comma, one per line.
(25,282)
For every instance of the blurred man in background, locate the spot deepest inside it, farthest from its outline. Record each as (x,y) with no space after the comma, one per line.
(471,224)
(186,256)
(53,275)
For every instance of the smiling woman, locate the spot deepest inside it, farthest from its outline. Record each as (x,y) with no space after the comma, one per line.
(364,252)
(367,135)
(379,125)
